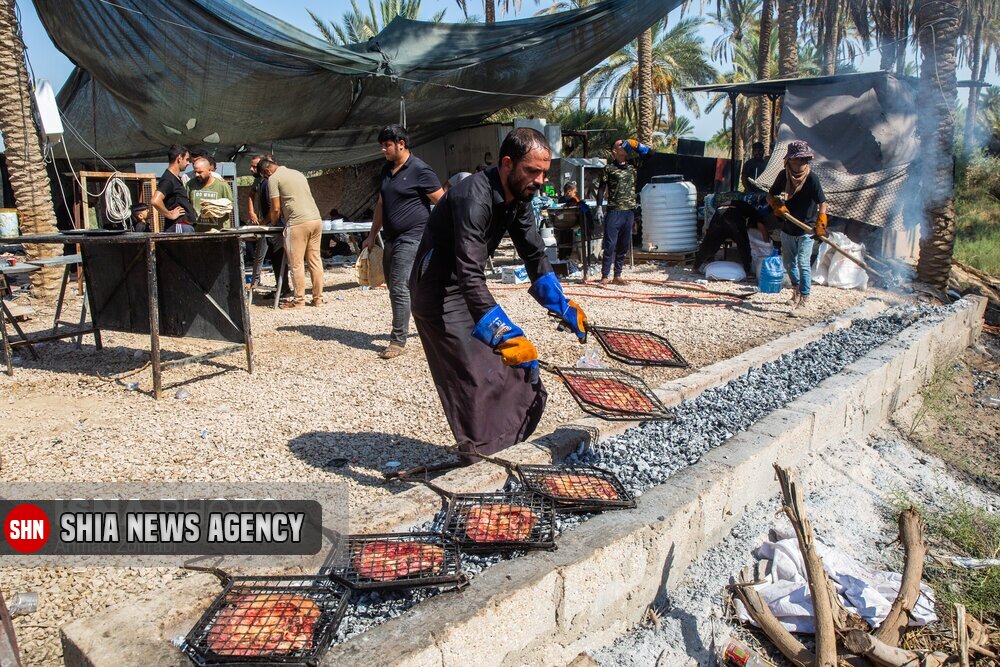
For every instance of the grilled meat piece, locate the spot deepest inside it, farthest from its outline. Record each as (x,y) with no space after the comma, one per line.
(499,523)
(610,394)
(385,560)
(261,624)
(566,485)
(638,346)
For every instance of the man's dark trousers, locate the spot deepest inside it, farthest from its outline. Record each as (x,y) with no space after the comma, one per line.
(617,241)
(397,262)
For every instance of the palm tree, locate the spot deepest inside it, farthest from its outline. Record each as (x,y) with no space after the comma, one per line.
(28,178)
(736,18)
(562,6)
(358,26)
(747,108)
(937,33)
(678,59)
(980,16)
(491,7)
(645,76)
(681,127)
(764,69)
(788,38)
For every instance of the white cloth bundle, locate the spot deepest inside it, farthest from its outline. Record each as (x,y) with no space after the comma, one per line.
(868,594)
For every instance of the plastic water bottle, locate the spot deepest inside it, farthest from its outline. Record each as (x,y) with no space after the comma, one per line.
(738,654)
(772,274)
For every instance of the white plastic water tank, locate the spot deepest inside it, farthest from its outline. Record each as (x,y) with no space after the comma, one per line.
(669,214)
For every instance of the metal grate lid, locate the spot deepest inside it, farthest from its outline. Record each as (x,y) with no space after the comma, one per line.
(639,348)
(501,521)
(577,488)
(268,620)
(398,560)
(612,394)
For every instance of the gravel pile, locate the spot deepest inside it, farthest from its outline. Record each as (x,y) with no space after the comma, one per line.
(320,407)
(649,454)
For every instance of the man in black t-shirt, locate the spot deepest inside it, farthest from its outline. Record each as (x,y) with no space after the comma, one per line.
(797,191)
(753,167)
(408,187)
(171,197)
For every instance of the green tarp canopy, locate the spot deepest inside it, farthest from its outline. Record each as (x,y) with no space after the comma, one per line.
(226,77)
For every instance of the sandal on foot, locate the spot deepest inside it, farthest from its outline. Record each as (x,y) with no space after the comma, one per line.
(392,351)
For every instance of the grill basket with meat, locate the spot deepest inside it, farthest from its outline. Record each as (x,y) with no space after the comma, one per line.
(258,624)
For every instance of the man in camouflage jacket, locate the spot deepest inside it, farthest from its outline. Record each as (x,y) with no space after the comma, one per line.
(619,185)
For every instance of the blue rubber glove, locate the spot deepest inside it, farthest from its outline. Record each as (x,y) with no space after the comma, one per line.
(548,292)
(633,147)
(508,340)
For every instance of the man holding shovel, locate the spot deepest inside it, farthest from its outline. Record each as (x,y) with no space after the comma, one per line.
(797,191)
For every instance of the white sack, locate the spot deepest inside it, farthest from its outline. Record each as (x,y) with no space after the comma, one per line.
(732,271)
(835,270)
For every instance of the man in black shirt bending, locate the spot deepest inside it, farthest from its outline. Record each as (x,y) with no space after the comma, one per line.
(484,367)
(408,187)
(171,198)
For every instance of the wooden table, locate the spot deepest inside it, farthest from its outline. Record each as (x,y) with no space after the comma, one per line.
(166,284)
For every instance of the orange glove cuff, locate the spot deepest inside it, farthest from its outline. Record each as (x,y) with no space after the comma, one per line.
(517,350)
(582,323)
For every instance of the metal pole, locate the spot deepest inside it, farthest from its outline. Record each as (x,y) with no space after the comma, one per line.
(733,98)
(154,316)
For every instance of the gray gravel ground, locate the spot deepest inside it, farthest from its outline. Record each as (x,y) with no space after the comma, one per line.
(319,395)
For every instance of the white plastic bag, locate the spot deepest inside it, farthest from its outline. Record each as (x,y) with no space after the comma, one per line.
(834,270)
(732,271)
(759,247)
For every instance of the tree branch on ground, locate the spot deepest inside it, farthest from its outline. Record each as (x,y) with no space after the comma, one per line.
(911,534)
(794,508)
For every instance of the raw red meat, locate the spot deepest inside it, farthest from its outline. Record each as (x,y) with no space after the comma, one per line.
(567,485)
(387,560)
(499,523)
(610,394)
(260,624)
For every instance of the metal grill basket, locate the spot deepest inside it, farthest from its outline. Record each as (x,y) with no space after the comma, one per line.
(612,394)
(366,562)
(288,620)
(638,348)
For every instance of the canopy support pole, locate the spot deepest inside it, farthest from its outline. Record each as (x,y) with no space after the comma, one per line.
(733,97)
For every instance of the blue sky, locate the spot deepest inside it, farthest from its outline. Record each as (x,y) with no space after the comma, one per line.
(48,63)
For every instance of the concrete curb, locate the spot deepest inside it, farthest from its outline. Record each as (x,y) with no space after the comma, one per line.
(545,608)
(688,516)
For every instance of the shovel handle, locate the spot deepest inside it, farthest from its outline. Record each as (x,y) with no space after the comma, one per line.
(798,223)
(509,465)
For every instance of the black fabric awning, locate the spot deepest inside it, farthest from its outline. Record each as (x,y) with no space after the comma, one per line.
(776,87)
(224,76)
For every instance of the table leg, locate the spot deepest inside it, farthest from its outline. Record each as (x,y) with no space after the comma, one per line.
(154,317)
(18,330)
(6,343)
(59,301)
